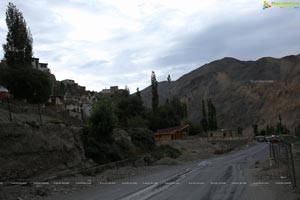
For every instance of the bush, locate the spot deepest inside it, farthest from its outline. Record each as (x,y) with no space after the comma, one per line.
(101,152)
(137,122)
(130,107)
(193,128)
(142,138)
(165,151)
(102,121)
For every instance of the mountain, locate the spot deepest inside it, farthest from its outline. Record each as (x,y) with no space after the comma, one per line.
(244,92)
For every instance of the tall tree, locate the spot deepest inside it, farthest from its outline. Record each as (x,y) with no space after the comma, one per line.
(279,126)
(138,93)
(211,116)
(169,88)
(255,129)
(127,90)
(154,87)
(18,47)
(214,112)
(204,117)
(169,79)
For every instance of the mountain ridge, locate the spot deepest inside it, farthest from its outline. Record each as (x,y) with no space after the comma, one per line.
(241,90)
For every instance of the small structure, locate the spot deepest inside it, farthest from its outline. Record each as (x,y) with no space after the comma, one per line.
(4,93)
(173,133)
(223,134)
(111,91)
(57,100)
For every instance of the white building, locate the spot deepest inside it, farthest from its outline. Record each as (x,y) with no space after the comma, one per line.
(40,66)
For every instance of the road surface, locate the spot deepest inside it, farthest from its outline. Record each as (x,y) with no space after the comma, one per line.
(226,177)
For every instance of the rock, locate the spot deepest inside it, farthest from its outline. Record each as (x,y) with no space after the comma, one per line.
(149,160)
(167,161)
(41,192)
(140,163)
(122,137)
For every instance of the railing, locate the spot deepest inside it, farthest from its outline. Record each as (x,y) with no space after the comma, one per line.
(281,154)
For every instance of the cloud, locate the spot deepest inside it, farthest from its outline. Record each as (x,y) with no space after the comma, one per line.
(100,43)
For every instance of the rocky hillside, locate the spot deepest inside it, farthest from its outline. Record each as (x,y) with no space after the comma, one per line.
(244,92)
(28,151)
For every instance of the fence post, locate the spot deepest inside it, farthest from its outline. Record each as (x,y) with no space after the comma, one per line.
(293,167)
(274,155)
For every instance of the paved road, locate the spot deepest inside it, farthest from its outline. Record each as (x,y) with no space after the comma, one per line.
(226,177)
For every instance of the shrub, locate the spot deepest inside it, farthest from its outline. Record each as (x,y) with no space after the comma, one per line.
(142,138)
(165,151)
(102,121)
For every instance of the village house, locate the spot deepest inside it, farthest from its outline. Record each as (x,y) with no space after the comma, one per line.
(80,107)
(173,133)
(40,66)
(110,92)
(4,93)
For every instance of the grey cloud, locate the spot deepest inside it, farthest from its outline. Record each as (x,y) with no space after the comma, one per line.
(245,38)
(93,65)
(250,36)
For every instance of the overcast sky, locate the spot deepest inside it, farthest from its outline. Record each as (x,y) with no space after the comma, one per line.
(100,43)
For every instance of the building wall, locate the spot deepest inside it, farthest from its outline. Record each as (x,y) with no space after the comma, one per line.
(169,137)
(224,135)
(164,137)
(4,95)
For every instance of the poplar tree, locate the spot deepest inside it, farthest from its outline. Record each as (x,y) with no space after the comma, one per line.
(138,93)
(204,117)
(211,116)
(18,47)
(154,90)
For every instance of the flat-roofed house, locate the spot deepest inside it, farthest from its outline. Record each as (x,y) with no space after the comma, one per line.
(40,66)
(172,133)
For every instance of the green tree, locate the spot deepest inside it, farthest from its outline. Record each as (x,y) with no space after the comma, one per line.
(18,47)
(211,116)
(204,122)
(169,79)
(128,108)
(30,84)
(279,126)
(154,90)
(255,129)
(215,122)
(240,131)
(40,89)
(138,93)
(263,132)
(102,121)
(169,88)
(164,117)
(179,107)
(297,130)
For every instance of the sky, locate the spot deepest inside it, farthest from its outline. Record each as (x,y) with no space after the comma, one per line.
(101,43)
